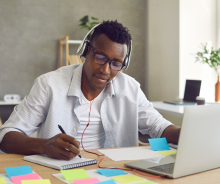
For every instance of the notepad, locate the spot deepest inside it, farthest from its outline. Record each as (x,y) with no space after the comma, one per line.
(59,164)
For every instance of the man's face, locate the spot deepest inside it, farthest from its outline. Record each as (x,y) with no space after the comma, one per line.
(99,75)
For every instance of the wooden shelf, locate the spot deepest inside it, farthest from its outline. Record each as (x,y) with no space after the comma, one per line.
(66,41)
(72,41)
(9,103)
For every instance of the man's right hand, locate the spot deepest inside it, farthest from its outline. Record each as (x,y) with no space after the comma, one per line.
(61,146)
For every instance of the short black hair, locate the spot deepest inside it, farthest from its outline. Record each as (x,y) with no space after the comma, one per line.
(114,31)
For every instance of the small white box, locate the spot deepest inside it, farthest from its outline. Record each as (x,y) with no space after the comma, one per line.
(12,98)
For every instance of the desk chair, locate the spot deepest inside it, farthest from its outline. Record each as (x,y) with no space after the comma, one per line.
(143,139)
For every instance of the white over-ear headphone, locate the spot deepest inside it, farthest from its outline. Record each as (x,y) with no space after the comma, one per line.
(83,47)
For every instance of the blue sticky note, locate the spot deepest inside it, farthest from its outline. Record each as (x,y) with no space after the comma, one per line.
(111,172)
(17,171)
(159,144)
(107,182)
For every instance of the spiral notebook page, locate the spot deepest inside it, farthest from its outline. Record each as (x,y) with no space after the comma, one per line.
(59,164)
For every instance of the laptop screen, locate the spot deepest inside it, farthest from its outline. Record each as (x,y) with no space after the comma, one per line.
(192,90)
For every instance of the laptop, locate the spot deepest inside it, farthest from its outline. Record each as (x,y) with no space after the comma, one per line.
(198,148)
(192,90)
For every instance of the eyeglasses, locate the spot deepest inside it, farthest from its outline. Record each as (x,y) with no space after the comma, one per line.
(102,60)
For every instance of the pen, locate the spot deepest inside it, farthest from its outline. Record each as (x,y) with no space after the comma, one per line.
(61,129)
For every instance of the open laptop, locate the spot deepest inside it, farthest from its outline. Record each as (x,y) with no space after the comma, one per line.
(198,148)
(192,90)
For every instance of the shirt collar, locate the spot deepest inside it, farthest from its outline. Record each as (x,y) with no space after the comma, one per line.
(75,85)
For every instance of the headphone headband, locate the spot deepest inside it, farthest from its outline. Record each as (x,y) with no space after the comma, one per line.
(83,47)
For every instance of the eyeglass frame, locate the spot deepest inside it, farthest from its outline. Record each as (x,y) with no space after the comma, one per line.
(110,61)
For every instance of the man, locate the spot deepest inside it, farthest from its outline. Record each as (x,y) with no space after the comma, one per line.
(95,92)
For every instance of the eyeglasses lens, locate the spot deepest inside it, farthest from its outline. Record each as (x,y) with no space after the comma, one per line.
(115,65)
(100,59)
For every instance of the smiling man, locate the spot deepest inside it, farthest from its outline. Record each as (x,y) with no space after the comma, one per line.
(94,95)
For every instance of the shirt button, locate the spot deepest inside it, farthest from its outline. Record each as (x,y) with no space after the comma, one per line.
(74,129)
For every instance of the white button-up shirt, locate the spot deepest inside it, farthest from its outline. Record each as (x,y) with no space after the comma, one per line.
(54,100)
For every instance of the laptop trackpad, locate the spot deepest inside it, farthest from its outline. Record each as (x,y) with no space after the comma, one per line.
(151,162)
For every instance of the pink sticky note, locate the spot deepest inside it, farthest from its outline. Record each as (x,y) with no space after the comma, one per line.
(32,176)
(86,181)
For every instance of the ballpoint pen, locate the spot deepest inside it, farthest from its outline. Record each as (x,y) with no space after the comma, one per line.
(61,129)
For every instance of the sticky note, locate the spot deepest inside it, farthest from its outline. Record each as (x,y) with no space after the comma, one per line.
(74,174)
(87,181)
(159,144)
(46,181)
(127,178)
(167,152)
(111,172)
(2,181)
(32,176)
(147,182)
(17,171)
(107,182)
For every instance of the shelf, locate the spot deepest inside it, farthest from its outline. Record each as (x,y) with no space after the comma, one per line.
(65,41)
(9,103)
(72,41)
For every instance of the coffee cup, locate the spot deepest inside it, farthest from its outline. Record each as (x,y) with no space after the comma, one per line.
(200,100)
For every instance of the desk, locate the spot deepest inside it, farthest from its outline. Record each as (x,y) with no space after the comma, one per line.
(175,110)
(11,160)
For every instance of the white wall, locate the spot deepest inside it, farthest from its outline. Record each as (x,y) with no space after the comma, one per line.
(198,24)
(162,70)
(175,31)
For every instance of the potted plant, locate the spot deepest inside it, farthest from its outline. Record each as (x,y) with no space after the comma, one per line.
(88,23)
(212,58)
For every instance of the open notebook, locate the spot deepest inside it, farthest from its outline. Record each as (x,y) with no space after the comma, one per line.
(59,164)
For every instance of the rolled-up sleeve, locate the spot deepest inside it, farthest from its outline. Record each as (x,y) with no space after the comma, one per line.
(150,121)
(30,113)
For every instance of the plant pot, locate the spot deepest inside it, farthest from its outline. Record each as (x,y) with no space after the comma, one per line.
(217,91)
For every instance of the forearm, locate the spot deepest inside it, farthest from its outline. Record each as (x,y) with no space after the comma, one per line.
(16,142)
(172,133)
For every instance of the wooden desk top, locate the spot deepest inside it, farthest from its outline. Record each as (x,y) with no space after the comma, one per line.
(12,160)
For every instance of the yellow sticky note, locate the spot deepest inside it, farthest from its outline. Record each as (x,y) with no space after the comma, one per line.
(147,182)
(2,181)
(74,174)
(167,152)
(127,178)
(46,181)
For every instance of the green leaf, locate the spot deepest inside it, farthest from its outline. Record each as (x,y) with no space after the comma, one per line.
(94,18)
(85,19)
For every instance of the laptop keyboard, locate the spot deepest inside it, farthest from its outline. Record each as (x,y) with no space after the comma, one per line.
(166,168)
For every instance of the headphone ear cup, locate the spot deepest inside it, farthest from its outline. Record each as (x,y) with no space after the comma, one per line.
(125,63)
(85,49)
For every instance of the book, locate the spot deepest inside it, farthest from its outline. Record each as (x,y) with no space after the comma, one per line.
(59,164)
(1,122)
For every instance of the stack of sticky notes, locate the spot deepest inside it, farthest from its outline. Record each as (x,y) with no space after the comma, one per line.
(161,145)
(24,175)
(102,176)
(2,180)
(111,172)
(74,174)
